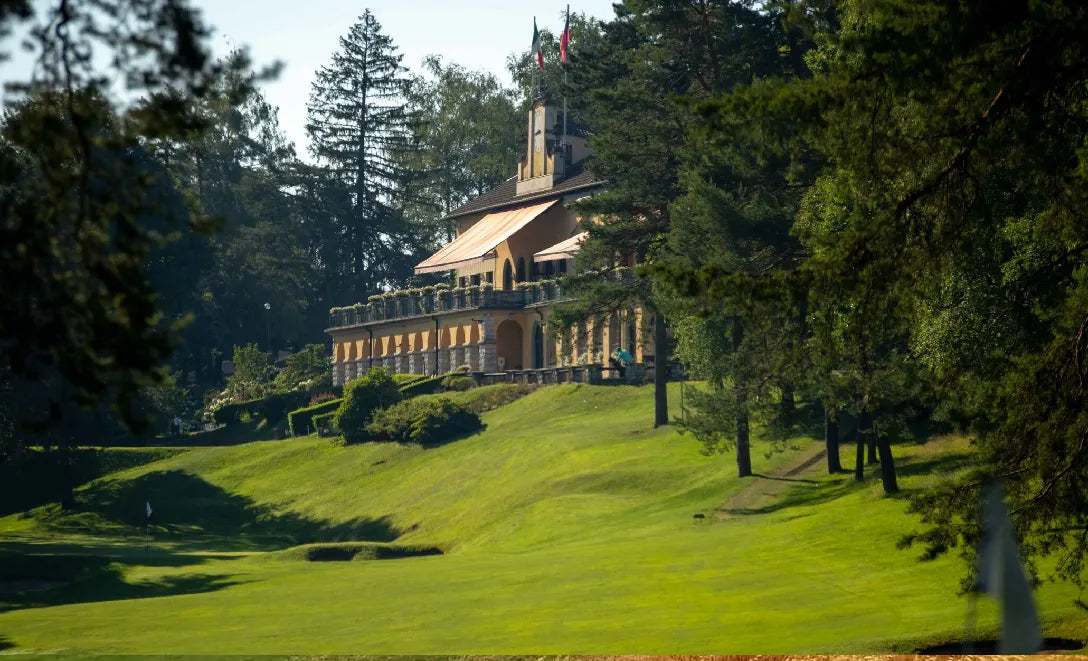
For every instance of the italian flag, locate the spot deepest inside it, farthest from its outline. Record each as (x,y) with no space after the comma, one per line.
(536,46)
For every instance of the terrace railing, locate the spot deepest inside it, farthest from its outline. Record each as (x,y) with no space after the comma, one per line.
(407,306)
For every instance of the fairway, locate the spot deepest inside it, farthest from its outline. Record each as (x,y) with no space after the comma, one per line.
(566,526)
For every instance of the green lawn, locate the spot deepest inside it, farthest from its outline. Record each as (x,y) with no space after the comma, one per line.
(567,527)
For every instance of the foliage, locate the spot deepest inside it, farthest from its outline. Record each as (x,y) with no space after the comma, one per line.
(424,421)
(362,397)
(167,400)
(301,421)
(305,367)
(469,133)
(487,398)
(422,387)
(321,398)
(456,382)
(324,423)
(403,380)
(252,373)
(360,131)
(273,407)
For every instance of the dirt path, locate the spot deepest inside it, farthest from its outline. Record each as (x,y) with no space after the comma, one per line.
(764,489)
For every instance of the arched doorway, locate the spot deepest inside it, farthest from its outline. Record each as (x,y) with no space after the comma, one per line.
(507,276)
(508,345)
(520,275)
(538,345)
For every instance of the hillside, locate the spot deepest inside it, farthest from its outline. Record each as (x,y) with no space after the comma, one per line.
(567,527)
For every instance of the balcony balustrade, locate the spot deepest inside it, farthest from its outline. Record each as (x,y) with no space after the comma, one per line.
(409,305)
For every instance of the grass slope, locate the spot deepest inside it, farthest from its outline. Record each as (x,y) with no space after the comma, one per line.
(567,527)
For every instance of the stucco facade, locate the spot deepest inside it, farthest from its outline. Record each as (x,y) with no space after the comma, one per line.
(497,315)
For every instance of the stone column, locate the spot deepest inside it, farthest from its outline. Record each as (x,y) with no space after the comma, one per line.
(471,354)
(402,364)
(487,353)
(361,366)
(415,365)
(389,363)
(426,362)
(457,357)
(338,374)
(444,360)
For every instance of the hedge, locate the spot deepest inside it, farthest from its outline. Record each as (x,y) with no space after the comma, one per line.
(426,421)
(404,380)
(423,387)
(324,423)
(272,408)
(457,382)
(301,421)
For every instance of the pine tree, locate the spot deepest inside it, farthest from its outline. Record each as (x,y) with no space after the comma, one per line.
(358,122)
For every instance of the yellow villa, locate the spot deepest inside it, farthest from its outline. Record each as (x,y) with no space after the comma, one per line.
(513,245)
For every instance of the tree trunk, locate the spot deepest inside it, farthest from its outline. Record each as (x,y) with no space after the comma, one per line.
(744,450)
(831,438)
(887,465)
(870,440)
(787,407)
(859,457)
(661,372)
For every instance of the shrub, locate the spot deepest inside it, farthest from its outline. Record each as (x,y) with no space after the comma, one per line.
(489,398)
(422,387)
(321,398)
(407,379)
(324,423)
(457,381)
(423,421)
(301,421)
(362,397)
(272,407)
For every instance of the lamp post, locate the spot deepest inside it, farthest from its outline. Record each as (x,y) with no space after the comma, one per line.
(268,326)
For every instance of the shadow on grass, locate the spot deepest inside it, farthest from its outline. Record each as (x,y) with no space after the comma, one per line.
(990,647)
(812,492)
(53,580)
(5,643)
(188,512)
(33,478)
(785,479)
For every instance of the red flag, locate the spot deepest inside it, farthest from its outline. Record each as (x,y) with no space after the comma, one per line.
(564,40)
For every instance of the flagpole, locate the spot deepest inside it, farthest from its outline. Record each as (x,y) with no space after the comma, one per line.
(565,67)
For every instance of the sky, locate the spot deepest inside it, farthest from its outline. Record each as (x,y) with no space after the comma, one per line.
(303,36)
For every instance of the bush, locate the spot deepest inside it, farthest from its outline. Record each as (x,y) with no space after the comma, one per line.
(272,407)
(423,421)
(376,390)
(301,421)
(489,398)
(424,387)
(403,380)
(324,423)
(321,398)
(456,381)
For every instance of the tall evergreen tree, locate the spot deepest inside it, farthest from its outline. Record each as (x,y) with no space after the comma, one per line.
(358,122)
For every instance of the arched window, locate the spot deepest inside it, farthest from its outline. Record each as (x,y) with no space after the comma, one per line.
(507,276)
(521,269)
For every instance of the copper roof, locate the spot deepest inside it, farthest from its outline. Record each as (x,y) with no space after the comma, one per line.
(476,242)
(565,249)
